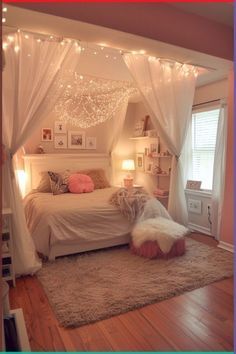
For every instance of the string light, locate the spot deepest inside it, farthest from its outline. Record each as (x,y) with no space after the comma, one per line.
(94,102)
(16,48)
(4,45)
(3,20)
(4,9)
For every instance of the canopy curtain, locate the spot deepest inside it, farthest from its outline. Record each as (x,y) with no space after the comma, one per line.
(218,185)
(168,90)
(115,128)
(35,74)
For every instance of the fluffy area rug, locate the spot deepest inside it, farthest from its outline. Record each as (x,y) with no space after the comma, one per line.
(96,285)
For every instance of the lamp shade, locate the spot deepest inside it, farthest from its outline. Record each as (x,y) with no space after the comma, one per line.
(128,165)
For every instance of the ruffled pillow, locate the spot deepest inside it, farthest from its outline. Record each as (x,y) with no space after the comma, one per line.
(59,182)
(79,183)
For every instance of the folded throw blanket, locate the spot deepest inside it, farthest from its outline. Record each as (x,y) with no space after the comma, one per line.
(137,205)
(130,202)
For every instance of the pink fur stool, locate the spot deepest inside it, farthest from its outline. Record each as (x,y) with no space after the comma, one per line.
(151,249)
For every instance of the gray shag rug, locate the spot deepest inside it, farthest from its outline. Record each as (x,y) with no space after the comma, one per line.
(96,285)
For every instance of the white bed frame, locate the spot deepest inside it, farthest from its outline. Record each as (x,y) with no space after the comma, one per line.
(37,163)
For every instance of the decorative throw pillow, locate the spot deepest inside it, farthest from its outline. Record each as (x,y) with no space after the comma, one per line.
(59,182)
(99,179)
(44,184)
(79,183)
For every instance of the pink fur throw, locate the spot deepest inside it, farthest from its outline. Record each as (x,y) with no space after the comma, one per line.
(79,183)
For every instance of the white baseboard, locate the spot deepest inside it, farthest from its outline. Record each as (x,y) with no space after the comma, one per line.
(202,229)
(226,246)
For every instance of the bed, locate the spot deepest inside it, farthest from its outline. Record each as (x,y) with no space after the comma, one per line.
(71,223)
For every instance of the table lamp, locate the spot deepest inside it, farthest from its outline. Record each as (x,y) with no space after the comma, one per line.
(128,165)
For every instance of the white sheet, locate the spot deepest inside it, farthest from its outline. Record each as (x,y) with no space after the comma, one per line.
(69,218)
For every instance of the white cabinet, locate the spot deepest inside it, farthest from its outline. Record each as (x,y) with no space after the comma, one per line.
(8,272)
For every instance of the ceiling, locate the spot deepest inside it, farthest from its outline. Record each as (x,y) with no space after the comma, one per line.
(221,12)
(99,65)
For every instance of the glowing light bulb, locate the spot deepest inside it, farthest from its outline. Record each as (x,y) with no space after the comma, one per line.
(16,48)
(38,40)
(81,77)
(26,36)
(4,46)
(3,20)
(4,9)
(10,38)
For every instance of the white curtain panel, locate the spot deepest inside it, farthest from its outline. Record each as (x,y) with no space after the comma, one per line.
(218,185)
(168,91)
(34,76)
(115,128)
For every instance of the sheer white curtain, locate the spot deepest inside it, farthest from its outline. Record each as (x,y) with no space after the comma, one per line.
(116,125)
(168,90)
(218,185)
(35,73)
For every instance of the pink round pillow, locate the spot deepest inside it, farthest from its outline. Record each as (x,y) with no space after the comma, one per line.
(78,183)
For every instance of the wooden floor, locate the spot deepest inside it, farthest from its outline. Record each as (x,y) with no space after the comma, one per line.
(200,320)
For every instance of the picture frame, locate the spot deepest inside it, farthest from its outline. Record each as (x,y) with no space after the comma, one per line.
(59,127)
(139,162)
(76,139)
(149,168)
(140,127)
(91,143)
(193,184)
(60,141)
(47,134)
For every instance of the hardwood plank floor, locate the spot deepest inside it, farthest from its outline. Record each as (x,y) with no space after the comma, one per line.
(200,320)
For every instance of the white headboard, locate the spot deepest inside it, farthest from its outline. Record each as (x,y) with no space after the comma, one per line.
(37,163)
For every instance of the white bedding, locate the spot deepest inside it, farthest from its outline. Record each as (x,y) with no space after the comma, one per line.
(73,218)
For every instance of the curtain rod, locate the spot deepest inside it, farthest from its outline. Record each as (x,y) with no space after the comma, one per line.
(117,49)
(200,104)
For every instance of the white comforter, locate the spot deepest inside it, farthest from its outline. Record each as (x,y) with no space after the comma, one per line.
(71,218)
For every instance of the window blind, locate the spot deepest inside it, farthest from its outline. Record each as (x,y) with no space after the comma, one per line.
(204,132)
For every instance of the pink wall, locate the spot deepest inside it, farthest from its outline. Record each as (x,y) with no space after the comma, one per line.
(157,21)
(227,217)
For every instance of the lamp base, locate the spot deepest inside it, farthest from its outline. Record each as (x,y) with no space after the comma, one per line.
(128,182)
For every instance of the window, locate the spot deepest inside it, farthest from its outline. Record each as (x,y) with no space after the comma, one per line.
(204,131)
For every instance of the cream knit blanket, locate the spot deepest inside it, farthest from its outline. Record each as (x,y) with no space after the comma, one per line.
(130,202)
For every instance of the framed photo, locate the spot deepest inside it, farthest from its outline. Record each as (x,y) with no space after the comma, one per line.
(139,162)
(149,167)
(140,127)
(193,184)
(47,134)
(60,141)
(76,140)
(91,143)
(59,127)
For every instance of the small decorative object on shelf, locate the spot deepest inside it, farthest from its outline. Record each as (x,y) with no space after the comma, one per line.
(8,272)
(193,184)
(40,150)
(140,127)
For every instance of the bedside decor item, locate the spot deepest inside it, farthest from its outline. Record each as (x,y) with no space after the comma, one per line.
(47,134)
(193,184)
(76,140)
(59,127)
(80,183)
(139,162)
(91,143)
(40,150)
(128,165)
(60,141)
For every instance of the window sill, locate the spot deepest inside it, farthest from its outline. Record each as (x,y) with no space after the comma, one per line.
(200,192)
